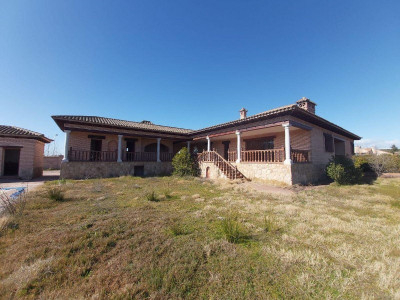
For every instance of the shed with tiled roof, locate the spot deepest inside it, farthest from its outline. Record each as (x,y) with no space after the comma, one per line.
(21,152)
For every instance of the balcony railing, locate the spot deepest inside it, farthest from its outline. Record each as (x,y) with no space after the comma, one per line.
(107,156)
(88,155)
(300,156)
(270,156)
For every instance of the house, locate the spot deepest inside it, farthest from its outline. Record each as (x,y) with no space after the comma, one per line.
(21,152)
(370,151)
(290,144)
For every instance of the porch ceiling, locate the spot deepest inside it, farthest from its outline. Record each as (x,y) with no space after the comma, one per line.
(252,133)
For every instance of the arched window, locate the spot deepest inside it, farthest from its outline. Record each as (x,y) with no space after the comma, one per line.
(153,148)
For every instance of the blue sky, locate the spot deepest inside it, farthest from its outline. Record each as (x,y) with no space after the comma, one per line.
(196,63)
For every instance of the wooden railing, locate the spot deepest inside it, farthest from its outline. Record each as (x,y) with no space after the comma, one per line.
(232,156)
(229,170)
(140,156)
(88,155)
(270,155)
(300,156)
(147,156)
(165,156)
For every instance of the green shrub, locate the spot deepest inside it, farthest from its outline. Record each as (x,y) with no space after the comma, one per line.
(152,197)
(361,162)
(234,231)
(56,193)
(342,171)
(183,164)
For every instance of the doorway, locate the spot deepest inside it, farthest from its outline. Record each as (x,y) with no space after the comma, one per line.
(226,149)
(95,149)
(11,162)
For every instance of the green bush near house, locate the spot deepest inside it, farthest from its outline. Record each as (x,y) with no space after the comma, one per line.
(183,164)
(343,171)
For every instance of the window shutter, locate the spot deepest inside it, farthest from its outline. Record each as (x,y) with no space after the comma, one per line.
(328,142)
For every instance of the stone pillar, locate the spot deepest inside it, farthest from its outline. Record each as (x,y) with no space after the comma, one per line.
(188,146)
(239,147)
(208,143)
(158,149)
(119,148)
(67,133)
(287,161)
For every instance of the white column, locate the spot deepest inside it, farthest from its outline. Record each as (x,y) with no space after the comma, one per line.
(287,161)
(239,146)
(67,133)
(188,146)
(158,149)
(119,148)
(208,143)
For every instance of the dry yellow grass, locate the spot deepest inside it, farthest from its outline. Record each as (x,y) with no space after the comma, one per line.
(107,240)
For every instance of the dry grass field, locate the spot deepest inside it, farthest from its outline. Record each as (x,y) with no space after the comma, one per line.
(169,237)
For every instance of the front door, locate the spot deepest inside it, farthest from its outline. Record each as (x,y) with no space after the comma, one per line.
(11,162)
(95,149)
(226,149)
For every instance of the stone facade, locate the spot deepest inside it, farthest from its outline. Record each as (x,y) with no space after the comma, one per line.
(82,170)
(31,156)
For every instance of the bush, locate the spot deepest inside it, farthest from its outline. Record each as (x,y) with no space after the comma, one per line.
(378,163)
(56,193)
(342,171)
(183,164)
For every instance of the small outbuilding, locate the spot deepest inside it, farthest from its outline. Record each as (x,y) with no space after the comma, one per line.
(21,152)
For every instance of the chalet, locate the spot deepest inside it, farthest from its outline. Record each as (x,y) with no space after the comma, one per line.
(290,144)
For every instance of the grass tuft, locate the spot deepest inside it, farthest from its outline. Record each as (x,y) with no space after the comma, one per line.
(233,230)
(152,197)
(56,193)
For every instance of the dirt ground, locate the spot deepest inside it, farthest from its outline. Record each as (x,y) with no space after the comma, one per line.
(29,184)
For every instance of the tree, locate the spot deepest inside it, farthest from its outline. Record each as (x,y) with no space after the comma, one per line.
(394,149)
(183,164)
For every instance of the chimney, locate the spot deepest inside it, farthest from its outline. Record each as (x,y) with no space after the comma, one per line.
(307,105)
(243,113)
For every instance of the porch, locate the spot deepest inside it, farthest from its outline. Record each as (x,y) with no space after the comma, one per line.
(84,147)
(284,142)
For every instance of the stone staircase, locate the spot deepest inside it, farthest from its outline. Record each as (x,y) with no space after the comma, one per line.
(226,167)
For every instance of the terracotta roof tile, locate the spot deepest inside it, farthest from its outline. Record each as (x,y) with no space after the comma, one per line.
(144,125)
(14,131)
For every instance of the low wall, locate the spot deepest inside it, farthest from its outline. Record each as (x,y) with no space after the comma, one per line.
(275,171)
(307,173)
(289,174)
(213,171)
(52,162)
(81,170)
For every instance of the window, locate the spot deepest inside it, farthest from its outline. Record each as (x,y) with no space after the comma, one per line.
(328,142)
(260,143)
(352,148)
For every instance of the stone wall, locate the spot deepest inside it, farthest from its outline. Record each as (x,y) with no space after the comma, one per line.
(214,172)
(288,174)
(52,162)
(81,170)
(267,171)
(307,173)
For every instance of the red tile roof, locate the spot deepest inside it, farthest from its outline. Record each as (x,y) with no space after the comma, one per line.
(17,132)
